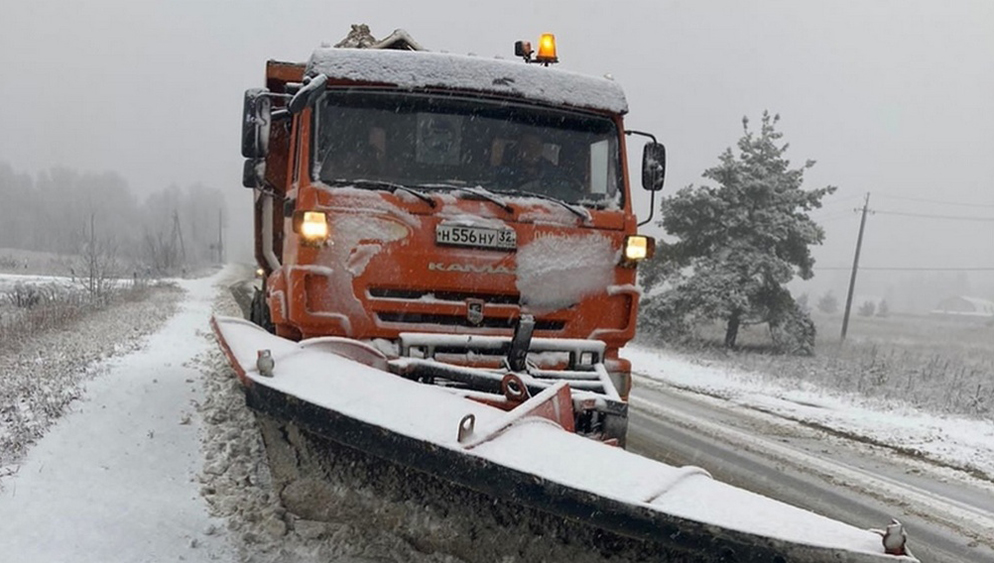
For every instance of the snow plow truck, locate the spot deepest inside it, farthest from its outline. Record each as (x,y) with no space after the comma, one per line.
(448,250)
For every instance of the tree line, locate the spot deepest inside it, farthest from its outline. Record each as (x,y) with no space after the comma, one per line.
(96,216)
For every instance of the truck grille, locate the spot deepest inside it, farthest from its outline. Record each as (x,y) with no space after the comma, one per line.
(461,320)
(457,296)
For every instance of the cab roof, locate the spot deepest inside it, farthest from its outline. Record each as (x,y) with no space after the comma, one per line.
(421,69)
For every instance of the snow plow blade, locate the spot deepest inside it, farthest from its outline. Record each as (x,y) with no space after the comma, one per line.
(624,505)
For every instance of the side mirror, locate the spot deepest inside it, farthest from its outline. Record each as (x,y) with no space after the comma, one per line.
(653,166)
(256,120)
(254,173)
(308,93)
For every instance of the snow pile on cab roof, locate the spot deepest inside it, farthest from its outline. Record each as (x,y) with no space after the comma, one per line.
(424,70)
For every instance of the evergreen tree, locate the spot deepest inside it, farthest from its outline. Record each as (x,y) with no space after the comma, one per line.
(828,304)
(740,242)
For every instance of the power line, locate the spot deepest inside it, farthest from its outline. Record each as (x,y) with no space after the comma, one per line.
(859,244)
(837,202)
(833,216)
(937,201)
(907,269)
(930,216)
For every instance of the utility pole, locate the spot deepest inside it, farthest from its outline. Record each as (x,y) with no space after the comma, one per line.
(855,267)
(92,253)
(178,233)
(220,241)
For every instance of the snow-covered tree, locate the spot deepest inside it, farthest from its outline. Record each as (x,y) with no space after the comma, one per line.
(740,242)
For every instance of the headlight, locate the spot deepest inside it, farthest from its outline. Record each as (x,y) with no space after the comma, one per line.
(312,226)
(638,248)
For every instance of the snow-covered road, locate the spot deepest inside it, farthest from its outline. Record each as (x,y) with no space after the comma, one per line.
(114,480)
(828,453)
(954,441)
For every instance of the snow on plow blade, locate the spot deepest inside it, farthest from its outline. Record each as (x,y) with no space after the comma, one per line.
(326,387)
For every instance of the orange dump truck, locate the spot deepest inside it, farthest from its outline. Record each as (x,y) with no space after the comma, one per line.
(469,218)
(448,250)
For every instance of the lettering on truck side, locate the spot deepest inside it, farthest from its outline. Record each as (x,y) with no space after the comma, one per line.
(469,268)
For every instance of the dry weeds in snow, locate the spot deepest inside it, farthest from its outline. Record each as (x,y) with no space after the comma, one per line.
(43,370)
(937,365)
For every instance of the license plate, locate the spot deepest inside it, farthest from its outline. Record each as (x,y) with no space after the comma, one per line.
(479,237)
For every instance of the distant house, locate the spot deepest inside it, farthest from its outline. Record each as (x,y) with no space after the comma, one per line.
(962,306)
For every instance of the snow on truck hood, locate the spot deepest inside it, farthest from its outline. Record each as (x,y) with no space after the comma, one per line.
(409,69)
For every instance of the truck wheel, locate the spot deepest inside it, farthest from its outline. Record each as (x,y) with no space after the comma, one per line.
(259,312)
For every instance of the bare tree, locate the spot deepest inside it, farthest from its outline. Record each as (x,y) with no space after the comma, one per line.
(95,266)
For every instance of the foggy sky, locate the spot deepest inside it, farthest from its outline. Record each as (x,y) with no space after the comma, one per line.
(893,98)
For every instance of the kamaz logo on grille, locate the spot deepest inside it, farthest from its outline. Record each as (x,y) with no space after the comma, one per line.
(474,311)
(469,268)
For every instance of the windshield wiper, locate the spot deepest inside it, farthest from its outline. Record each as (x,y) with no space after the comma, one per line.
(383,185)
(577,210)
(478,191)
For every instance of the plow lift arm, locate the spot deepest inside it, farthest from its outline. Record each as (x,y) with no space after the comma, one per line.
(598,410)
(338,390)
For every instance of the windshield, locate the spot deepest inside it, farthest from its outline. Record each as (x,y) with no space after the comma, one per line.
(439,141)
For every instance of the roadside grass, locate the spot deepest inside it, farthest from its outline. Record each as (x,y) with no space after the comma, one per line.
(942,366)
(27,310)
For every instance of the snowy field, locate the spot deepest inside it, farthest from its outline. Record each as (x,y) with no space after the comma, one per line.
(9,281)
(27,262)
(958,442)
